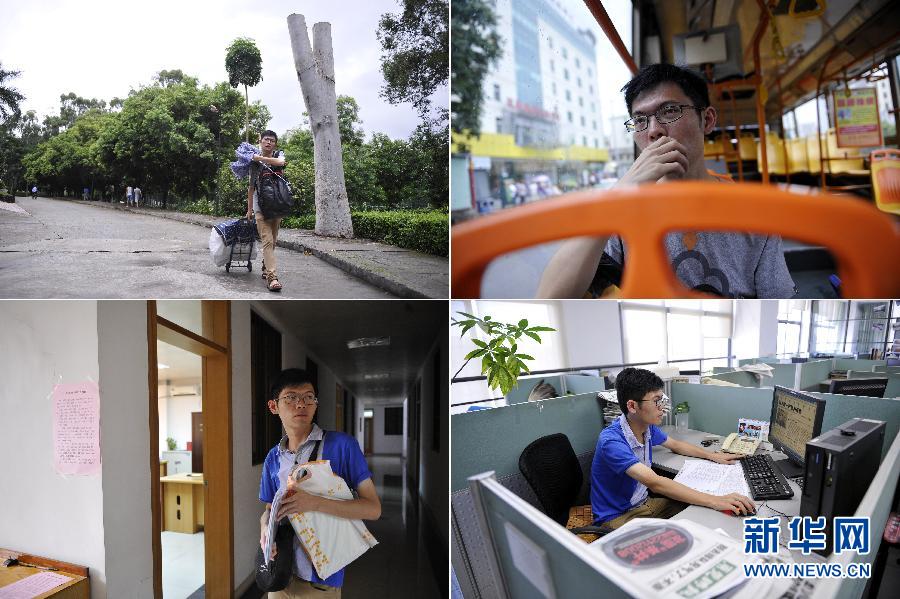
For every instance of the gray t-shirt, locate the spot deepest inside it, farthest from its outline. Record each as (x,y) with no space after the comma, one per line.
(727,264)
(255,167)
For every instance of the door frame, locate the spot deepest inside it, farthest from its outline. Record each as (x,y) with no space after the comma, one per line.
(214,348)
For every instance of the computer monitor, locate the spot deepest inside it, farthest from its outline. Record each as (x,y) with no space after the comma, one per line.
(893,361)
(864,387)
(799,360)
(796,418)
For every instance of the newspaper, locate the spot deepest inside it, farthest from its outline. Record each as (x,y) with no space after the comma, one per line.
(650,557)
(713,478)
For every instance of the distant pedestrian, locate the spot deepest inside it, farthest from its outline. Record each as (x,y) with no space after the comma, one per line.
(34,191)
(129,195)
(85,194)
(138,196)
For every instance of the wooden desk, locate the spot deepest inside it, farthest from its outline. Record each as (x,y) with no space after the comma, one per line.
(183,496)
(78,588)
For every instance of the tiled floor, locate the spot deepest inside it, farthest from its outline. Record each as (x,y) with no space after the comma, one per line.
(399,565)
(183,564)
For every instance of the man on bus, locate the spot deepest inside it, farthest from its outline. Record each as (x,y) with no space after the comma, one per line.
(670,115)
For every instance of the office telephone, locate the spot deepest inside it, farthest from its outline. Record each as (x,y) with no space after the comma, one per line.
(742,445)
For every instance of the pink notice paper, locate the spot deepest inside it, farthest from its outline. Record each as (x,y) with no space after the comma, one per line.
(76,428)
(33,586)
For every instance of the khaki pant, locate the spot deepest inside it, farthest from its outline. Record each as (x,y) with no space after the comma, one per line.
(304,589)
(654,507)
(268,232)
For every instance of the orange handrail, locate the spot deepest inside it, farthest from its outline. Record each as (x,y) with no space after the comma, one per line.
(643,215)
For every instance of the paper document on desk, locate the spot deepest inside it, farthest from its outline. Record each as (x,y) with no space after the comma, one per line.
(713,478)
(33,586)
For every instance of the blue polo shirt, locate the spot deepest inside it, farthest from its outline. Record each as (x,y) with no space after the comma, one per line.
(612,491)
(347,461)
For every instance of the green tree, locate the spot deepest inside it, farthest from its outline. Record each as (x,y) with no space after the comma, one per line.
(476,46)
(348,121)
(10,98)
(244,65)
(415,57)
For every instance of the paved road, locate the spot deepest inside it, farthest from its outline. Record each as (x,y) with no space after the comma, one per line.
(59,249)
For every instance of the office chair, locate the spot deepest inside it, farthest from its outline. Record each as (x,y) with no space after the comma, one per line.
(551,468)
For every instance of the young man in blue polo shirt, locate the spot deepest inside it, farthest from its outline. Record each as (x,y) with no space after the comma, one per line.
(293,398)
(620,472)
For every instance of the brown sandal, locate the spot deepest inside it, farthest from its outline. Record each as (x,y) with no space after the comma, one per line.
(273,284)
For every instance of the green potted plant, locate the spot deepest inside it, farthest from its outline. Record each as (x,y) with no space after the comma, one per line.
(171,443)
(501,360)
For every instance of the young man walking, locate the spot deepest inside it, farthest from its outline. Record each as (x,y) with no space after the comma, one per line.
(293,399)
(620,472)
(267,227)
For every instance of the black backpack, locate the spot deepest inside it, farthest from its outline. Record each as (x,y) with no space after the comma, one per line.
(273,192)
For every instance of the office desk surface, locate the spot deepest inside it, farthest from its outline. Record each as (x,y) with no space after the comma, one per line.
(732,525)
(79,587)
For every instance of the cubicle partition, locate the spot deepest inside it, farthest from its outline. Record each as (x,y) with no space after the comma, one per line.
(580,383)
(492,440)
(857,364)
(737,377)
(888,369)
(784,375)
(519,393)
(716,409)
(813,373)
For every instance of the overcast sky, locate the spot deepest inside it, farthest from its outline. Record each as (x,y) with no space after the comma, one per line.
(102,48)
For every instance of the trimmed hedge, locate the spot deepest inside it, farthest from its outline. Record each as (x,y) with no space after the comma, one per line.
(423,231)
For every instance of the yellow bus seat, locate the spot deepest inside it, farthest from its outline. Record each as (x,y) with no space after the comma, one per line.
(886,179)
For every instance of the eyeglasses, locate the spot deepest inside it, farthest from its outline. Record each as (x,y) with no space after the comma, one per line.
(292,399)
(662,403)
(666,114)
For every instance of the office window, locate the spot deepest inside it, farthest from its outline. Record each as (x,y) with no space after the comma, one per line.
(584,139)
(578,79)
(569,115)
(690,334)
(550,41)
(496,92)
(499,124)
(592,107)
(829,324)
(552,67)
(793,328)
(596,143)
(568,95)
(580,101)
(867,327)
(565,53)
(583,124)
(591,89)
(589,74)
(594,125)
(577,62)
(566,74)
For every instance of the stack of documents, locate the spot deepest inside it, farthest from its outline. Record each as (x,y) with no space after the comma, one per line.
(715,479)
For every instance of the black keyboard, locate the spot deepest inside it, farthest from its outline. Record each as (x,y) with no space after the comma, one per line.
(765,479)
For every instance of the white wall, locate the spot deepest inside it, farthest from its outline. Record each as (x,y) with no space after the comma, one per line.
(434,466)
(381,443)
(45,513)
(125,434)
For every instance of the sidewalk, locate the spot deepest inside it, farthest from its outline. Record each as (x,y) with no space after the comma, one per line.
(405,273)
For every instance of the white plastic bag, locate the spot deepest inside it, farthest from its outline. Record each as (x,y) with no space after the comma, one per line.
(330,542)
(217,248)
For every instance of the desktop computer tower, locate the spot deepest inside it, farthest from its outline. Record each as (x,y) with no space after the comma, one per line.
(840,465)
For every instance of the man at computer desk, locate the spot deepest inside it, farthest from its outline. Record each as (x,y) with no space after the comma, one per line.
(621,474)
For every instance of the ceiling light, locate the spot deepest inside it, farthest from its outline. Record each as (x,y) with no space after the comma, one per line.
(375,377)
(161,366)
(368,342)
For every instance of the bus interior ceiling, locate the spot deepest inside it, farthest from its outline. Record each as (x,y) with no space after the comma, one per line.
(806,48)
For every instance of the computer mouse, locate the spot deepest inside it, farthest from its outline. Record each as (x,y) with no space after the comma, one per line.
(730,513)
